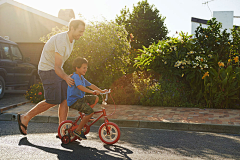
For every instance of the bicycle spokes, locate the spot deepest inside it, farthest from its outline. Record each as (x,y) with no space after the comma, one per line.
(109,133)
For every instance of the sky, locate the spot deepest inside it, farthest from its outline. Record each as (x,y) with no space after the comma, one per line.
(178,13)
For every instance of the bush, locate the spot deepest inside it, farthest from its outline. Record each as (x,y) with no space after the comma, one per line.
(168,59)
(222,87)
(35,94)
(123,91)
(166,92)
(129,89)
(196,61)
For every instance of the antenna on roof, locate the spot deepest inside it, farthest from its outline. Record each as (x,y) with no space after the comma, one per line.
(6,37)
(208,6)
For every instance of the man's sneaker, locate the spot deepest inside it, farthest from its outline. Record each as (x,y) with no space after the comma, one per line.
(79,134)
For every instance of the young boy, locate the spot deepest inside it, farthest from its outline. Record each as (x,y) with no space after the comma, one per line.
(76,97)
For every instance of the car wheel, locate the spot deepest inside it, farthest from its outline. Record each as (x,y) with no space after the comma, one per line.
(32,81)
(2,87)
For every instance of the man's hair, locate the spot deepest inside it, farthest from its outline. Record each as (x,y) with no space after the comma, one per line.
(75,23)
(77,62)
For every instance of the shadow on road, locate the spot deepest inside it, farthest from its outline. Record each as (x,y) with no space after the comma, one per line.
(81,152)
(197,144)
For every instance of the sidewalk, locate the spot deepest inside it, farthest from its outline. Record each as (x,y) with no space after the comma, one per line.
(173,118)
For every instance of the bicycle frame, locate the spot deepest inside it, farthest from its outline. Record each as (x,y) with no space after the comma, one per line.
(103,111)
(109,132)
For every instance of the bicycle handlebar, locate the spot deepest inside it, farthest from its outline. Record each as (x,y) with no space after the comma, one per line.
(109,91)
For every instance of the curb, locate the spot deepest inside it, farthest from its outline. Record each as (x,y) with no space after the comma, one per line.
(12,106)
(198,127)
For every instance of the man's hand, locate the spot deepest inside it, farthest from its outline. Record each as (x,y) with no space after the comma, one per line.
(59,71)
(69,80)
(96,92)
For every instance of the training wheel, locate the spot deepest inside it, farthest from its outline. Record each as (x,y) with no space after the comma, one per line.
(65,139)
(62,130)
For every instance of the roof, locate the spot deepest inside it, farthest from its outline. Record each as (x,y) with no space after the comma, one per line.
(198,20)
(35,11)
(2,40)
(203,21)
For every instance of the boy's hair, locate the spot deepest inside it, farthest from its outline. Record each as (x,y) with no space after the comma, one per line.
(75,23)
(77,62)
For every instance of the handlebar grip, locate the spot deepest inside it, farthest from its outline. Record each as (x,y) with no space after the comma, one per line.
(107,92)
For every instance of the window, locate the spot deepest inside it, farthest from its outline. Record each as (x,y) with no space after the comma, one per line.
(5,51)
(16,53)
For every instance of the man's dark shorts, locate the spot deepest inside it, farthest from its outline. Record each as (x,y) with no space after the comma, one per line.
(82,105)
(55,88)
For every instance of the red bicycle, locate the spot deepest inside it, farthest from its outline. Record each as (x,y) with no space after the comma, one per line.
(109,132)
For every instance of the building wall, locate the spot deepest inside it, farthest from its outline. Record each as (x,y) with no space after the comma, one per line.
(31,50)
(25,28)
(225,17)
(195,25)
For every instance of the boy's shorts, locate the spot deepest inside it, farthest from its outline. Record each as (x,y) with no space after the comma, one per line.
(82,104)
(55,88)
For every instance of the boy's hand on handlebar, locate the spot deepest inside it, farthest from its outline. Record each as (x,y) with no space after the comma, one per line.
(96,92)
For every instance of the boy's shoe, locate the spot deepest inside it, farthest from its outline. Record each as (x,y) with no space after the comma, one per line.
(79,134)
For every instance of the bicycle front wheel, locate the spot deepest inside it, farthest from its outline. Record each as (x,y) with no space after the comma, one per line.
(109,135)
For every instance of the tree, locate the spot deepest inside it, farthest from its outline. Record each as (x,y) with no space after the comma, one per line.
(144,25)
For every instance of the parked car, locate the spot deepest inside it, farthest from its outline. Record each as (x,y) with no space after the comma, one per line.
(15,71)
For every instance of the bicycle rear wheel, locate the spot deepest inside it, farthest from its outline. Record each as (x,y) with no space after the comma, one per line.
(63,130)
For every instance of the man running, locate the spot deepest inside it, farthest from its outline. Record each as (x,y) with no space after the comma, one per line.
(55,81)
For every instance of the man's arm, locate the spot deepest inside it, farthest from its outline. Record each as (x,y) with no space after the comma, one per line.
(60,72)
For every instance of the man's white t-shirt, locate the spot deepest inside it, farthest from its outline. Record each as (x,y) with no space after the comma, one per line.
(58,43)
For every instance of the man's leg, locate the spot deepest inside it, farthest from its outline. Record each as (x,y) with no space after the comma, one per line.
(39,108)
(63,111)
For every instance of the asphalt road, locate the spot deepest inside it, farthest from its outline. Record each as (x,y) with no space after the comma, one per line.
(41,143)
